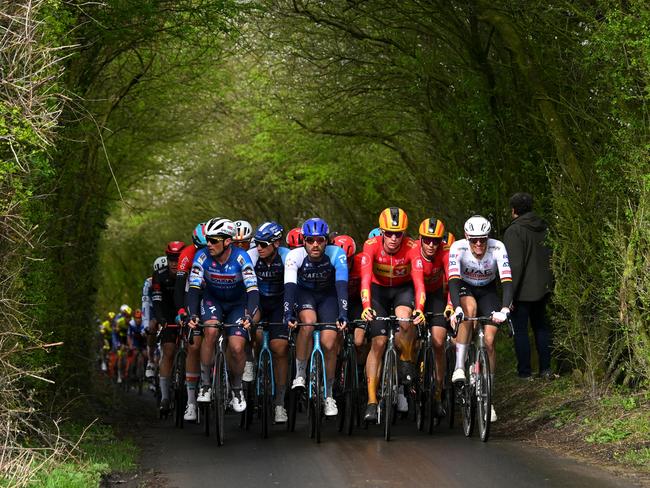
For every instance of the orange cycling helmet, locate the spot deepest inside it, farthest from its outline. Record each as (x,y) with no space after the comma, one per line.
(449,239)
(393,219)
(432,228)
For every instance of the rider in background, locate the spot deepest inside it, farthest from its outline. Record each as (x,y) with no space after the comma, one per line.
(163,283)
(295,238)
(149,319)
(120,329)
(243,234)
(268,259)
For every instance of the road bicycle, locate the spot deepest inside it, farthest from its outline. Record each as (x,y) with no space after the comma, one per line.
(348,385)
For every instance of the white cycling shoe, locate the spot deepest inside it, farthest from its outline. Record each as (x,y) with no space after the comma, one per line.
(493,415)
(330,407)
(238,402)
(150,372)
(249,372)
(299,382)
(190,413)
(458,376)
(402,402)
(280,414)
(205,394)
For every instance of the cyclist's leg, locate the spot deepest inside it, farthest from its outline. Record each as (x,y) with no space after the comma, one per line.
(468,303)
(306,315)
(378,337)
(328,312)
(168,346)
(488,302)
(211,314)
(193,368)
(237,341)
(436,304)
(279,343)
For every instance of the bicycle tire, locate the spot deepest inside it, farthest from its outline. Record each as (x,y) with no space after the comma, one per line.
(420,396)
(389,391)
(469,397)
(180,393)
(429,388)
(266,397)
(351,390)
(292,395)
(341,374)
(449,391)
(221,398)
(316,401)
(483,394)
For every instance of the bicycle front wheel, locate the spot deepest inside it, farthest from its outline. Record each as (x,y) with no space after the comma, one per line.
(180,393)
(293,394)
(221,397)
(449,393)
(389,391)
(429,388)
(316,401)
(483,394)
(469,396)
(266,394)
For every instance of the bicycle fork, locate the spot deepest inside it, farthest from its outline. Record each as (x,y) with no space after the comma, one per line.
(312,366)
(265,349)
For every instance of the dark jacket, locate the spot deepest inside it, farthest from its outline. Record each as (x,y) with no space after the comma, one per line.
(529,257)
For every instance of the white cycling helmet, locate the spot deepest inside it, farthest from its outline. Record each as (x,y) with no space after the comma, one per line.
(243,230)
(219,227)
(477,226)
(160,263)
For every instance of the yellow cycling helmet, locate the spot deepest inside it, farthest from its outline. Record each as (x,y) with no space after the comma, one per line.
(110,315)
(393,219)
(432,228)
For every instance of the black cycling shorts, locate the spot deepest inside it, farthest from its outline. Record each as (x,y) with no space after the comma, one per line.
(271,309)
(486,297)
(436,304)
(168,334)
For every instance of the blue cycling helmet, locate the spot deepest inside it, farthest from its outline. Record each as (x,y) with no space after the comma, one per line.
(315,227)
(374,233)
(269,232)
(198,235)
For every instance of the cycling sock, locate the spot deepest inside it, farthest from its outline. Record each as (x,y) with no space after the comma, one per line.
(461,352)
(280,391)
(205,374)
(249,352)
(164,388)
(372,390)
(191,379)
(330,387)
(301,368)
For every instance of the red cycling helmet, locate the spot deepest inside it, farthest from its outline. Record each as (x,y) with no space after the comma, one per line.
(174,249)
(347,244)
(295,238)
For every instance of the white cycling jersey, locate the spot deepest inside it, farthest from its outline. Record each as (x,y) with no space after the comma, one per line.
(479,272)
(146,301)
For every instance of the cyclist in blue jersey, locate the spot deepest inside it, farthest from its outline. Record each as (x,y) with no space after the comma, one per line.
(268,259)
(316,286)
(227,278)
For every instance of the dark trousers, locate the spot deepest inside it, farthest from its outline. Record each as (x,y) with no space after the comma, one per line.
(536,312)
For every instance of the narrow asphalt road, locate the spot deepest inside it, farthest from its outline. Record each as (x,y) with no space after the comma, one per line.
(186,458)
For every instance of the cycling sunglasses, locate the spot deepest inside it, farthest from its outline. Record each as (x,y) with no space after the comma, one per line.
(263,244)
(214,240)
(316,239)
(432,241)
(389,234)
(477,240)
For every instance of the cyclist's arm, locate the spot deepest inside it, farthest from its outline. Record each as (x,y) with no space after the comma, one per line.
(505,273)
(453,271)
(417,275)
(250,281)
(146,302)
(157,298)
(340,262)
(366,272)
(291,266)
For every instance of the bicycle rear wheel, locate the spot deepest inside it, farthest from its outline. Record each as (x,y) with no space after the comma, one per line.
(420,398)
(292,394)
(389,391)
(430,389)
(316,400)
(266,394)
(483,394)
(469,396)
(178,384)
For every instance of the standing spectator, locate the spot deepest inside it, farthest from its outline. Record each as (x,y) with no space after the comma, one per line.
(532,283)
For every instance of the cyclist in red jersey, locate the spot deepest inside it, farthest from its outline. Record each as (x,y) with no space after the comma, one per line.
(295,238)
(433,256)
(388,279)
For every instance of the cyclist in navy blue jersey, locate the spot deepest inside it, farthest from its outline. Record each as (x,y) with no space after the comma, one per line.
(268,260)
(226,276)
(316,289)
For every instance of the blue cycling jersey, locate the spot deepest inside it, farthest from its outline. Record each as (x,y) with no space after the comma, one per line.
(233,281)
(328,275)
(136,333)
(270,277)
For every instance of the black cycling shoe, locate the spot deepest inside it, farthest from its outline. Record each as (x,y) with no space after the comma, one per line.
(406,371)
(438,410)
(371,413)
(164,406)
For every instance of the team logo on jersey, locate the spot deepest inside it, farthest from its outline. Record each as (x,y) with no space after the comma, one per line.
(201,258)
(241,260)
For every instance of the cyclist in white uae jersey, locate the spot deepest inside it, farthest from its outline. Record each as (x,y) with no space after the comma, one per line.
(473,266)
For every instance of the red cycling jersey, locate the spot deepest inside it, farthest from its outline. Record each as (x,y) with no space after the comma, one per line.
(435,270)
(185,259)
(354,275)
(395,269)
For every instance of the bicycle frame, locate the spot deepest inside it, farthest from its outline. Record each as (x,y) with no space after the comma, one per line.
(312,366)
(265,349)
